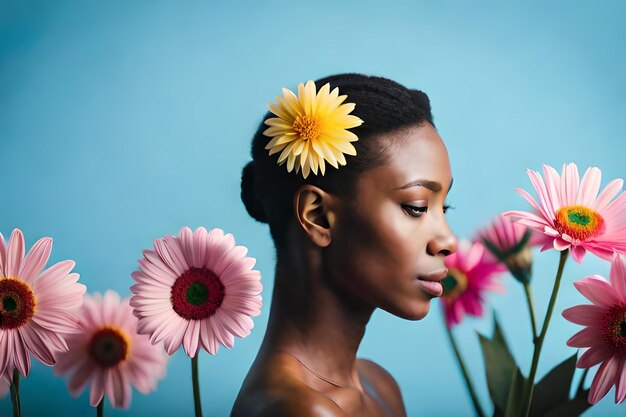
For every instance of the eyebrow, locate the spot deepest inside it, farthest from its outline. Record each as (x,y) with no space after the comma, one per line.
(431,185)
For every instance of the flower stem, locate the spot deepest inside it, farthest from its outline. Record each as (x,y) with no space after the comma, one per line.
(15,394)
(196,385)
(530,384)
(531,310)
(466,376)
(100,408)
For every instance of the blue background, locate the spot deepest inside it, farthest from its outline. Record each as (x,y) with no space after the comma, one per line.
(123,121)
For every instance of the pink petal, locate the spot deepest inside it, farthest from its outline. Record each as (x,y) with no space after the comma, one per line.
(238,325)
(84,370)
(191,338)
(607,194)
(597,290)
(569,184)
(589,187)
(585,314)
(97,388)
(3,256)
(527,219)
(620,386)
(578,253)
(615,208)
(618,276)
(6,351)
(15,254)
(200,240)
(207,337)
(223,336)
(237,268)
(553,187)
(529,198)
(594,355)
(53,274)
(185,236)
(21,358)
(560,244)
(36,259)
(116,387)
(542,193)
(168,251)
(587,337)
(36,344)
(173,340)
(604,379)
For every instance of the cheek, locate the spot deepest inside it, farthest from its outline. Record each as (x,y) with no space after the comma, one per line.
(377,251)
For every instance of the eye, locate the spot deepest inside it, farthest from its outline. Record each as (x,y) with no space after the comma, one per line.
(414,211)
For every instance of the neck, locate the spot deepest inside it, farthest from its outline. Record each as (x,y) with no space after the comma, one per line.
(314,320)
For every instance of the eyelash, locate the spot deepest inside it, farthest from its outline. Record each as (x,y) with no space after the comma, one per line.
(418,211)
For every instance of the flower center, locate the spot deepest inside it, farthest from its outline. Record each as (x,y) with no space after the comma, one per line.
(17,303)
(454,284)
(109,346)
(614,331)
(197,294)
(579,222)
(307,127)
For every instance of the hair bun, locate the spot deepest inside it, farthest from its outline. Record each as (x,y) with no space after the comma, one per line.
(248,193)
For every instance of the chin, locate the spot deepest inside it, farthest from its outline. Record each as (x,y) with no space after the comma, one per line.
(416,310)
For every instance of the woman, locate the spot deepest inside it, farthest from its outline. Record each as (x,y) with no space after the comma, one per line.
(369,234)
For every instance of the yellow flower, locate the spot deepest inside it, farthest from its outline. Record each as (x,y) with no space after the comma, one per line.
(311,128)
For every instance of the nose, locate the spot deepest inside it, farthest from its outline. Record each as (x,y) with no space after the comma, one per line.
(444,242)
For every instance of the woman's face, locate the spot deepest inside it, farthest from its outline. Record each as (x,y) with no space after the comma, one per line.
(390,240)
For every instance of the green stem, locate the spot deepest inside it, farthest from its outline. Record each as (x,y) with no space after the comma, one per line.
(530,384)
(15,394)
(196,385)
(531,310)
(466,376)
(100,408)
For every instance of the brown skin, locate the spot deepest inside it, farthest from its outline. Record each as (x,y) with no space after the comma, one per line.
(344,259)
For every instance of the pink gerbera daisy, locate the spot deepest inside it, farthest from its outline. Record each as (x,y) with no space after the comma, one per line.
(196,288)
(572,215)
(110,353)
(36,308)
(5,383)
(605,334)
(471,272)
(510,243)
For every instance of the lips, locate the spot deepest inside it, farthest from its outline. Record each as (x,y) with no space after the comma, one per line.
(431,282)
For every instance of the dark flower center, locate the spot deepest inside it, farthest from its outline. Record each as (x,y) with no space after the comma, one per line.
(18,303)
(197,294)
(454,284)
(109,346)
(614,331)
(579,222)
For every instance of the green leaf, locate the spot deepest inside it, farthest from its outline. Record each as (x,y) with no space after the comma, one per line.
(553,390)
(499,367)
(516,392)
(574,407)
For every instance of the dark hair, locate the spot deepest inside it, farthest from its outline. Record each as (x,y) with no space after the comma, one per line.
(267,188)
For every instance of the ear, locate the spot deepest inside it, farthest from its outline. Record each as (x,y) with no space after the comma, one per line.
(314,209)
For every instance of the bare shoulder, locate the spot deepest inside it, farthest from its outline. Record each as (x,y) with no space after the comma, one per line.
(287,401)
(274,388)
(383,384)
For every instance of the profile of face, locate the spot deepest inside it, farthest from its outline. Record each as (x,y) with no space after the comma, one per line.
(390,240)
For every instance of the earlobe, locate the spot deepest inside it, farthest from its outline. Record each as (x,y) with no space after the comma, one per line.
(312,207)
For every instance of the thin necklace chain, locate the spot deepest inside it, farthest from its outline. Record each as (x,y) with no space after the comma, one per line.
(322,377)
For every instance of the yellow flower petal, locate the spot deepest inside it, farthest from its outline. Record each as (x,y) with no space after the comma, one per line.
(311,128)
